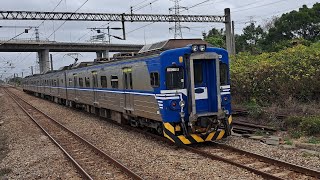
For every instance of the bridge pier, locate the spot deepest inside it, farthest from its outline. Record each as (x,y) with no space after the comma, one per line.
(44,60)
(102,54)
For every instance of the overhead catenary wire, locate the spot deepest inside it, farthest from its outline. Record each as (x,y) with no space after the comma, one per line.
(66,20)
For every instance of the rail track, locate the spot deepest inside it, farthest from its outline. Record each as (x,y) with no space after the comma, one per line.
(91,162)
(266,167)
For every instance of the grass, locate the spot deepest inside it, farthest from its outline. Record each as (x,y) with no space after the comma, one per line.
(314,140)
(288,141)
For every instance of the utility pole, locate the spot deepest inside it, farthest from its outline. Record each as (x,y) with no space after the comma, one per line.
(31,70)
(51,62)
(233,39)
(177,26)
(228,30)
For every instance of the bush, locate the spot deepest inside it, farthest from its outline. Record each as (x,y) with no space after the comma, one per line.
(275,77)
(311,126)
(292,122)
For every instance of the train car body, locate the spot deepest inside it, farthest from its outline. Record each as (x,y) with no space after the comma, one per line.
(179,88)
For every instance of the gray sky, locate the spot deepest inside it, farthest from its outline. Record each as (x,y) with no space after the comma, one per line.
(242,12)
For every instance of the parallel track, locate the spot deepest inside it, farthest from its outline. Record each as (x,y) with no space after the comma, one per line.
(91,162)
(266,167)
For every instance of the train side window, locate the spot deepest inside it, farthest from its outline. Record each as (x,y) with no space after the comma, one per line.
(87,81)
(81,82)
(103,81)
(154,79)
(175,78)
(70,82)
(114,81)
(223,74)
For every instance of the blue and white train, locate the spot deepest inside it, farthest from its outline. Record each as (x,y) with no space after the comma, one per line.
(179,88)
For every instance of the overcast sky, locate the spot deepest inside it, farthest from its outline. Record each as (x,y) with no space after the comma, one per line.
(242,12)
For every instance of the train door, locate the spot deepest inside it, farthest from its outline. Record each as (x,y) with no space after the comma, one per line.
(58,87)
(95,86)
(127,85)
(205,86)
(75,86)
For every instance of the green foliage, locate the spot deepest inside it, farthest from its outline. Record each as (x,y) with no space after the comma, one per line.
(275,77)
(296,134)
(250,39)
(292,122)
(304,24)
(311,126)
(314,140)
(303,125)
(255,110)
(215,37)
(288,141)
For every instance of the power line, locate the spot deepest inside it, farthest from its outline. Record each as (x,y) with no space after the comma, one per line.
(51,11)
(258,6)
(66,20)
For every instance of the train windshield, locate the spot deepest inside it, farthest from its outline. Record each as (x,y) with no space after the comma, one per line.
(175,78)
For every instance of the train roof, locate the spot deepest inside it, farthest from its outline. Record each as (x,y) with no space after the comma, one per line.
(171,44)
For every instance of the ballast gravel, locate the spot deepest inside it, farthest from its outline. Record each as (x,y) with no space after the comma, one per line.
(144,155)
(294,156)
(31,155)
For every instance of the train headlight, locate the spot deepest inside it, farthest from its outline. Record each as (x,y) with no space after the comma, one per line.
(195,48)
(202,48)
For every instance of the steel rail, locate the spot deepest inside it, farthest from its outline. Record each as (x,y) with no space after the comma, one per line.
(266,175)
(97,150)
(292,167)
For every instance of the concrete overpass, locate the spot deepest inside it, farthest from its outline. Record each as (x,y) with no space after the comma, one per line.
(44,47)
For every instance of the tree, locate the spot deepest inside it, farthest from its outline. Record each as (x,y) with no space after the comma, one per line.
(250,39)
(215,37)
(302,24)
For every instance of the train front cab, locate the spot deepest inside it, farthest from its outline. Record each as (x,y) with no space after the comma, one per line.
(203,115)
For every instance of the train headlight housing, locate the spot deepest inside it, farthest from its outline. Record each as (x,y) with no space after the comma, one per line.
(202,48)
(195,48)
(174,105)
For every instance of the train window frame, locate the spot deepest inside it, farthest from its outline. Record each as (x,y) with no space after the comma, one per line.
(155,79)
(223,70)
(103,81)
(114,80)
(80,82)
(175,85)
(87,81)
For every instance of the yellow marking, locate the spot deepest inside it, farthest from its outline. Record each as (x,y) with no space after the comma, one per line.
(184,140)
(169,127)
(230,119)
(221,134)
(210,136)
(197,138)
(181,59)
(178,128)
(165,135)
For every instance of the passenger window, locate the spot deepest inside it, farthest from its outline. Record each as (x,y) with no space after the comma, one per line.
(70,82)
(103,80)
(198,73)
(81,82)
(174,78)
(114,81)
(223,74)
(154,79)
(87,81)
